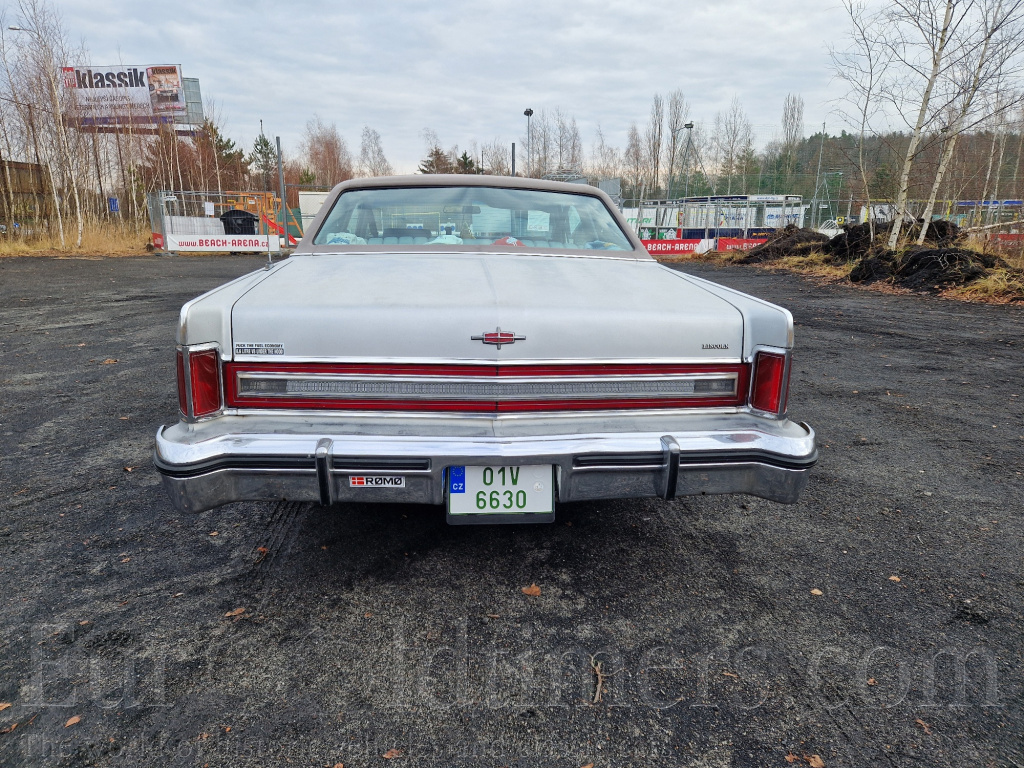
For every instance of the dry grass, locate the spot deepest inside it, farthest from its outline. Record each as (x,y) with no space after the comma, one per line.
(98,239)
(816,264)
(1001,286)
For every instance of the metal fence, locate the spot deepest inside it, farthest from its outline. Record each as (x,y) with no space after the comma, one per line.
(206,214)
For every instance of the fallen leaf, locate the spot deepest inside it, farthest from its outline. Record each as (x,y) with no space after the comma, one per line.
(73,720)
(339,765)
(533,590)
(236,612)
(126,560)
(817,592)
(227,729)
(894,578)
(924,726)
(177,594)
(129,469)
(122,418)
(367,615)
(872,681)
(109,361)
(588,765)
(815,761)
(80,345)
(4,705)
(731,674)
(493,616)
(204,736)
(9,728)
(82,623)
(214,533)
(324,546)
(791,758)
(391,754)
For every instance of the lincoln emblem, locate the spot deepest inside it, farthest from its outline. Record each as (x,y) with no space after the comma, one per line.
(498,337)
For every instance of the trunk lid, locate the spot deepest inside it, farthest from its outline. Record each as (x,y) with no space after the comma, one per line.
(427,307)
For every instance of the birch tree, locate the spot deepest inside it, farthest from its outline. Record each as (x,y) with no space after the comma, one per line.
(921,33)
(372,161)
(990,54)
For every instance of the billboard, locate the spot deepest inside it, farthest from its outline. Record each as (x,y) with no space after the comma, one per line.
(140,94)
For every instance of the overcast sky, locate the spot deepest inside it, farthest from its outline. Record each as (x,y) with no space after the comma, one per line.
(469,69)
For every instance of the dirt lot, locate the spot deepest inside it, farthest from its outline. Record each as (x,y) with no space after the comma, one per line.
(369,629)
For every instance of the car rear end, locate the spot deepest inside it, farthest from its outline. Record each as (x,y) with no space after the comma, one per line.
(437,433)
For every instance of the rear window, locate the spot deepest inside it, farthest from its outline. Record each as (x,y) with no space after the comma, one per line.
(477,216)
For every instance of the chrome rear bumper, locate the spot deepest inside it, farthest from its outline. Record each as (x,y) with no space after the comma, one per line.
(216,465)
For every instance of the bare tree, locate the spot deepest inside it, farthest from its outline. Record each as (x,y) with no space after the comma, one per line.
(634,162)
(44,50)
(792,129)
(496,157)
(541,144)
(653,138)
(569,145)
(863,65)
(733,134)
(988,55)
(372,161)
(326,152)
(920,35)
(678,112)
(605,160)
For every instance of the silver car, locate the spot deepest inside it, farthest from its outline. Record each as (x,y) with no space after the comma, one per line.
(494,345)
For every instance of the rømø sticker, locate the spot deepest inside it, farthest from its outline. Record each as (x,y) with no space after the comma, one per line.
(259,349)
(376,481)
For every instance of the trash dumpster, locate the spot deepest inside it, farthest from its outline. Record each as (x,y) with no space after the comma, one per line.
(238,222)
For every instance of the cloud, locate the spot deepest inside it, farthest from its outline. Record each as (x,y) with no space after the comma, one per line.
(469,69)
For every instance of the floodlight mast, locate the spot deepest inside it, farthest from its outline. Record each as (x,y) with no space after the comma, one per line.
(688,127)
(529,144)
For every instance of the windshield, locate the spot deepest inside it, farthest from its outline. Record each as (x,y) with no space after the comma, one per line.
(480,216)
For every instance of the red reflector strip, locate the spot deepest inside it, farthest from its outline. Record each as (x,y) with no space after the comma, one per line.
(182,399)
(769,382)
(341,402)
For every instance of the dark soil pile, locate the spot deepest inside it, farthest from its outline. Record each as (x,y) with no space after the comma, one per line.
(854,243)
(921,268)
(788,241)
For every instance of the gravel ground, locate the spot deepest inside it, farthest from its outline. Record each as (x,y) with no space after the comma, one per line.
(876,623)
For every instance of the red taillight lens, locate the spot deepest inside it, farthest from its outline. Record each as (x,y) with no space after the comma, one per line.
(205,370)
(770,380)
(204,379)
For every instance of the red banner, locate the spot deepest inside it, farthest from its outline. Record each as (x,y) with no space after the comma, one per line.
(738,243)
(671,246)
(1006,237)
(158,240)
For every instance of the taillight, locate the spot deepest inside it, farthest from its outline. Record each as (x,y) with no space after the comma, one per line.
(771,383)
(201,370)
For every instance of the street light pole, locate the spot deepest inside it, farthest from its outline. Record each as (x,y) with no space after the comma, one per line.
(686,156)
(529,144)
(687,127)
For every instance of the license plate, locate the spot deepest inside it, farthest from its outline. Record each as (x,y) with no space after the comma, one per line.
(486,491)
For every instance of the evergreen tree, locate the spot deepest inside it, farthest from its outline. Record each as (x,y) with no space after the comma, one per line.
(264,161)
(436,161)
(465,164)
